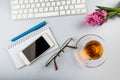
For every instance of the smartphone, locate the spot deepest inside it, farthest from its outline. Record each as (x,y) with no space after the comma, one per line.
(37,48)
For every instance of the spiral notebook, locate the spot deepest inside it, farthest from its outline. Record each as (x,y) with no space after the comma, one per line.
(16,47)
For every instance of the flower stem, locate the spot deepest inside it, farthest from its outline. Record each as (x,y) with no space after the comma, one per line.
(111,14)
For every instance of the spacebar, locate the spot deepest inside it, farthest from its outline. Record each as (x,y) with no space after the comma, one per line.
(46,14)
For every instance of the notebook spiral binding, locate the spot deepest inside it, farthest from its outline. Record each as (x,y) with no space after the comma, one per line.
(29,36)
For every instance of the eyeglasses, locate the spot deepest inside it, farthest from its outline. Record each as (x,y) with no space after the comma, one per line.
(66,45)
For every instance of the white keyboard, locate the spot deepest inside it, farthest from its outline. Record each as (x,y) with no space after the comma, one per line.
(27,9)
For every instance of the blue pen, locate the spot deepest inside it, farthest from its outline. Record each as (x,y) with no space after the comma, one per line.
(29,31)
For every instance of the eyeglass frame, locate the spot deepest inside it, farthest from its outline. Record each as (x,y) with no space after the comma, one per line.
(66,44)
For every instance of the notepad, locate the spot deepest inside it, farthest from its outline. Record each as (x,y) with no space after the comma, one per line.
(16,47)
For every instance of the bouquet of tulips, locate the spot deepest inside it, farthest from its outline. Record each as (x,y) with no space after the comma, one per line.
(101,15)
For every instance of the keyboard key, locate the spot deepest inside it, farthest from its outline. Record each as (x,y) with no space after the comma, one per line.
(79,6)
(58,3)
(20,11)
(51,0)
(31,1)
(46,0)
(63,2)
(24,16)
(14,2)
(62,12)
(66,7)
(47,14)
(68,2)
(25,1)
(21,1)
(78,11)
(22,6)
(38,5)
(25,11)
(61,7)
(41,0)
(16,7)
(30,10)
(56,8)
(14,17)
(27,5)
(32,5)
(50,8)
(40,9)
(14,12)
(73,12)
(73,1)
(30,15)
(48,4)
(83,1)
(43,5)
(36,1)
(46,9)
(83,10)
(53,4)
(19,16)
(78,1)
(36,10)
(71,7)
(68,12)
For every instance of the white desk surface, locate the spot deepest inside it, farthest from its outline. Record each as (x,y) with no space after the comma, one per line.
(63,28)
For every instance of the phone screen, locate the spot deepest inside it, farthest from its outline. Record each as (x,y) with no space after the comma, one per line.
(36,49)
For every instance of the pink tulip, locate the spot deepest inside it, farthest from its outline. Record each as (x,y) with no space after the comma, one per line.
(96,18)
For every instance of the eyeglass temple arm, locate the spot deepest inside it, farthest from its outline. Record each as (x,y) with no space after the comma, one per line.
(51,58)
(74,47)
(61,49)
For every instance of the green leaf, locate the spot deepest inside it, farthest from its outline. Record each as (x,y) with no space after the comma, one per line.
(105,8)
(111,14)
(118,13)
(108,8)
